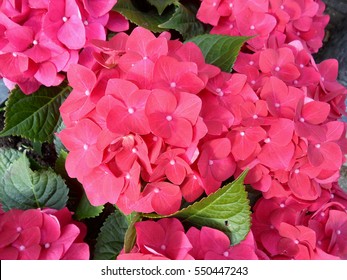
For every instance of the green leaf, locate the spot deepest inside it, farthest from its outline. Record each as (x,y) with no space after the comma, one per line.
(85,210)
(58,145)
(184,21)
(130,234)
(227,210)
(34,116)
(60,164)
(220,50)
(111,237)
(22,188)
(149,18)
(161,4)
(7,157)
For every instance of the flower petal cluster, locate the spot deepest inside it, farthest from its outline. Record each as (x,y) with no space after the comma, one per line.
(271,22)
(167,239)
(286,127)
(46,234)
(40,39)
(287,229)
(135,116)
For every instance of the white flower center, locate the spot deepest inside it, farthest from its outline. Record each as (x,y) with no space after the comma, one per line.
(131,111)
(64,19)
(173,84)
(172,162)
(85,147)
(242,133)
(156,190)
(169,118)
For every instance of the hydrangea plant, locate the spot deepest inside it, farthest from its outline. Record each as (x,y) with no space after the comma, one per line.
(188,129)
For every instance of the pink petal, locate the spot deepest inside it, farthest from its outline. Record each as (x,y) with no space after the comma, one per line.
(213,240)
(188,107)
(315,112)
(101,186)
(50,230)
(119,88)
(302,187)
(81,78)
(281,132)
(72,33)
(149,234)
(117,22)
(46,74)
(191,188)
(275,156)
(20,37)
(267,59)
(181,133)
(161,101)
(98,8)
(178,244)
(77,251)
(288,72)
(166,197)
(175,173)
(223,169)
(328,69)
(8,253)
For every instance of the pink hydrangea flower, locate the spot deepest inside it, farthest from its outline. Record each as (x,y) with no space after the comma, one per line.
(167,239)
(40,39)
(41,235)
(273,23)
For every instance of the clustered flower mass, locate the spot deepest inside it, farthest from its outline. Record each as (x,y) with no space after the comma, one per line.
(42,235)
(149,123)
(40,39)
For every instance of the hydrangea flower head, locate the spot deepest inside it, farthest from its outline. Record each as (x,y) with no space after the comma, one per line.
(41,235)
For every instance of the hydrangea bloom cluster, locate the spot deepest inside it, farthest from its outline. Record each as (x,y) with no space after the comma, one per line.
(287,229)
(136,117)
(40,39)
(288,132)
(41,235)
(167,239)
(271,22)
